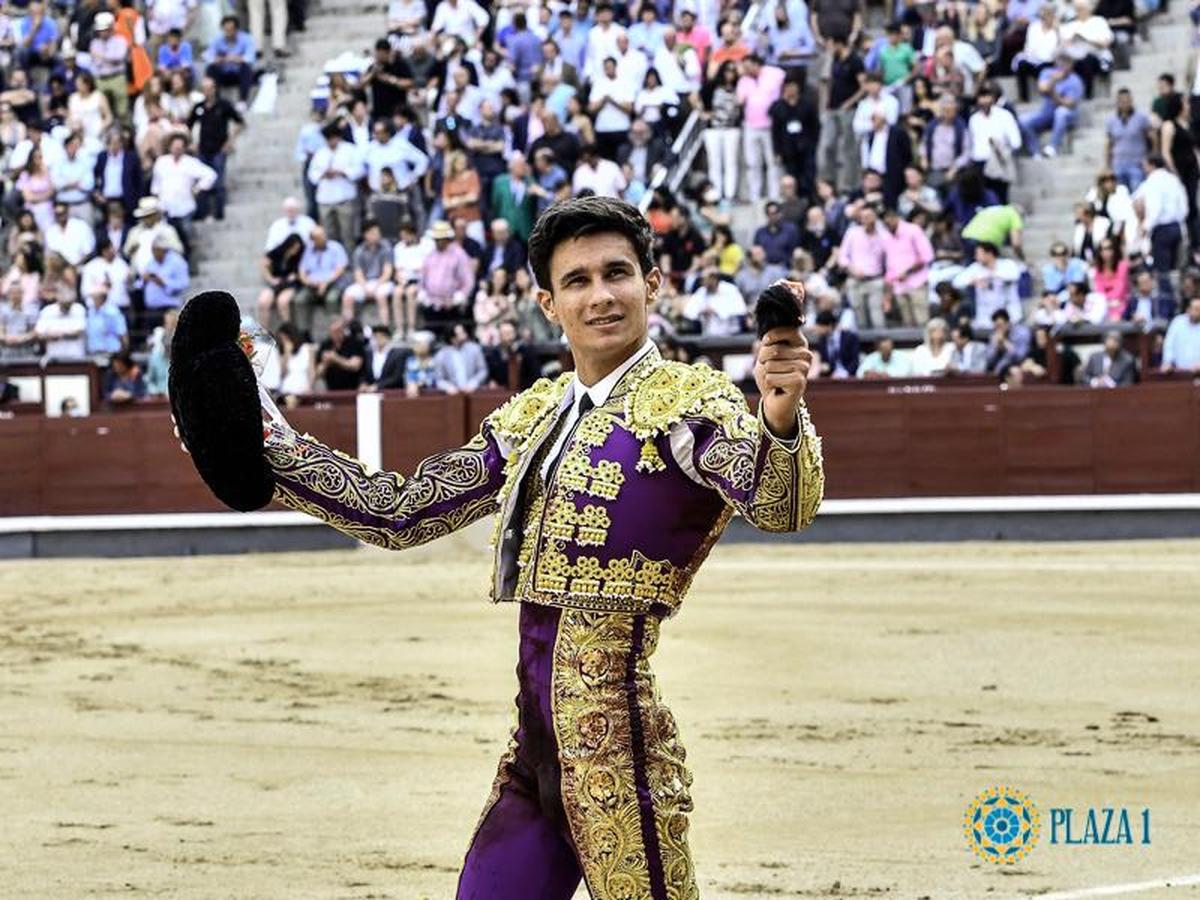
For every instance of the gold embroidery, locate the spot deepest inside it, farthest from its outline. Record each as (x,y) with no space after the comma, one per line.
(636,578)
(586,527)
(592,724)
(667,393)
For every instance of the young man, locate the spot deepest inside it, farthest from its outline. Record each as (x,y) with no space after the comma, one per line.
(573,466)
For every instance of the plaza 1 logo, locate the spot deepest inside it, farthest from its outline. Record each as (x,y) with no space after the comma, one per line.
(1002,825)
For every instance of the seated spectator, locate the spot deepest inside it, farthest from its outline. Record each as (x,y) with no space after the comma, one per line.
(1008,343)
(945,146)
(107,330)
(231,58)
(16,325)
(917,196)
(503,250)
(836,346)
(461,192)
(861,257)
(175,55)
(885,362)
(1062,269)
(756,274)
(500,356)
(1040,51)
(680,247)
(371,270)
(909,256)
(1110,276)
(1083,306)
(123,383)
(62,325)
(1061,91)
(281,272)
(1087,40)
(69,237)
(1089,232)
(1113,366)
(969,356)
(459,367)
(26,276)
(995,282)
(1112,201)
(384,368)
(158,365)
(644,151)
(726,253)
(408,260)
(164,280)
(1145,303)
(322,276)
(1181,346)
(341,357)
(778,237)
(933,355)
(493,305)
(447,278)
(551,179)
(291,372)
(716,307)
(418,368)
(36,188)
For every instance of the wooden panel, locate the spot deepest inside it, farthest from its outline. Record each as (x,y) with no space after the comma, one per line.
(864,438)
(1142,440)
(21,466)
(415,427)
(1048,442)
(954,443)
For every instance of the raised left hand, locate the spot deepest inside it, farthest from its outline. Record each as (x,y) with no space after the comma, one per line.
(781,373)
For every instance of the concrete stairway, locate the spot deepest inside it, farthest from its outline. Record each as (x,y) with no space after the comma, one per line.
(262,171)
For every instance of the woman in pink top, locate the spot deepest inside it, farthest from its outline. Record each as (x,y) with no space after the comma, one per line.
(1110,277)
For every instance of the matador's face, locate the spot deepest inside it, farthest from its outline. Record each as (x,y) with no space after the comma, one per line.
(599,295)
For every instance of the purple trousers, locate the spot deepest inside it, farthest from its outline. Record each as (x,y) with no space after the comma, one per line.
(593,785)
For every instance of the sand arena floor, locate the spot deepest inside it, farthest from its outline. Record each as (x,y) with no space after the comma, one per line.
(327,725)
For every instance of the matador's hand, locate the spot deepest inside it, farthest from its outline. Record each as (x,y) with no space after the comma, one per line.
(781,373)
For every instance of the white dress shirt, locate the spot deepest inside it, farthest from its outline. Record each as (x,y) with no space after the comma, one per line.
(283,227)
(176,181)
(998,125)
(1163,198)
(342,188)
(74,241)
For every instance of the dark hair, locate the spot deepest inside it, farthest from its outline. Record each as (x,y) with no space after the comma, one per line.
(381,329)
(988,247)
(581,217)
(1156,161)
(331,129)
(964,328)
(382,44)
(826,317)
(1168,78)
(230,18)
(1001,313)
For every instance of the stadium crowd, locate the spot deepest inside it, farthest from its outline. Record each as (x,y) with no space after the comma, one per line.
(879,161)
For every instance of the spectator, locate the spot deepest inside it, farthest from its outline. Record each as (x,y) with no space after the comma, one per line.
(909,256)
(371,269)
(69,237)
(836,346)
(175,54)
(231,58)
(1112,201)
(418,368)
(296,373)
(512,198)
(322,277)
(1162,207)
(340,357)
(1083,306)
(1179,152)
(756,274)
(124,382)
(1128,140)
(150,226)
(897,58)
(716,307)
(887,149)
(778,237)
(17,324)
(723,112)
(117,175)
(995,282)
(933,356)
(164,280)
(1090,229)
(839,162)
(918,198)
(837,21)
(334,170)
(281,272)
(106,276)
(459,367)
(408,259)
(493,304)
(293,221)
(757,90)
(62,326)
(999,225)
(1042,45)
(969,356)
(1110,367)
(594,173)
(861,256)
(1181,346)
(611,103)
(503,250)
(36,188)
(279,24)
(1008,344)
(461,191)
(500,356)
(106,330)
(818,238)
(26,275)
(109,55)
(74,179)
(176,180)
(1110,277)
(447,278)
(644,152)
(1145,303)
(885,362)
(995,136)
(945,148)
(1087,40)
(384,366)
(219,125)
(1062,269)
(1061,91)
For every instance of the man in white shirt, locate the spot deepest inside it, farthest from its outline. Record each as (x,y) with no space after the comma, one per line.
(1162,206)
(994,132)
(291,222)
(74,178)
(717,305)
(62,326)
(461,18)
(678,65)
(69,237)
(610,103)
(176,179)
(597,174)
(875,100)
(335,170)
(601,42)
(105,277)
(631,63)
(995,282)
(36,136)
(408,260)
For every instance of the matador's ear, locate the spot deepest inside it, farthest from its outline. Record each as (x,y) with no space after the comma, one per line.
(215,401)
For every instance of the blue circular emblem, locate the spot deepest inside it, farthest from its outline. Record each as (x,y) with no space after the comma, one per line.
(1002,825)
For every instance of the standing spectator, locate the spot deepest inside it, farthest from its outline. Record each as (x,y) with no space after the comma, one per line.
(596,174)
(334,170)
(447,278)
(1181,346)
(1110,367)
(372,273)
(885,362)
(176,180)
(322,277)
(731,49)
(995,282)
(837,20)
(459,367)
(257,10)
(512,198)
(383,369)
(388,79)
(1128,139)
(231,58)
(88,110)
(945,145)
(723,112)
(462,192)
(340,358)
(1178,148)
(995,136)
(36,187)
(164,280)
(968,356)
(757,89)
(909,256)
(117,175)
(796,134)
(1162,206)
(611,103)
(1061,91)
(887,149)
(62,326)
(861,255)
(836,346)
(933,355)
(717,306)
(109,54)
(839,162)
(220,124)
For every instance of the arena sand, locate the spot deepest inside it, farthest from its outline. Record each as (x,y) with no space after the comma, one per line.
(326,725)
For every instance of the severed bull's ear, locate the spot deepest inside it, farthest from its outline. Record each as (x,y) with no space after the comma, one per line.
(780,304)
(215,401)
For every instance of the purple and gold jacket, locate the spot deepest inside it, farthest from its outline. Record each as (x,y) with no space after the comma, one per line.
(644,487)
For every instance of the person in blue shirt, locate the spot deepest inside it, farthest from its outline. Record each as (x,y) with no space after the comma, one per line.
(231,58)
(107,331)
(175,55)
(1181,346)
(123,383)
(1062,269)
(1061,91)
(524,49)
(646,34)
(164,280)
(37,37)
(778,237)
